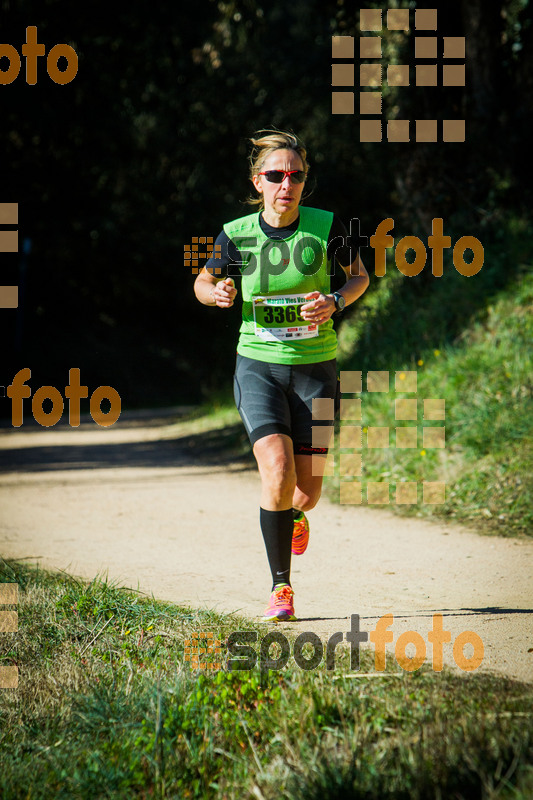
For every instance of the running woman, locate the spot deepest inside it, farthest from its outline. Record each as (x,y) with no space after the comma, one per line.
(287,345)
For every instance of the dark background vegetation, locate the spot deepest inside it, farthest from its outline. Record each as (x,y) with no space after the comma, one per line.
(147,148)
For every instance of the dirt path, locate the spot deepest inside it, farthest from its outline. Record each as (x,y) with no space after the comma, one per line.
(132,502)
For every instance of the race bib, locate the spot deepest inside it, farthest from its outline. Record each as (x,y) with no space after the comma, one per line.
(278,318)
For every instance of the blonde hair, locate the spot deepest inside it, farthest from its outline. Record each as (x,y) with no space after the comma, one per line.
(264,146)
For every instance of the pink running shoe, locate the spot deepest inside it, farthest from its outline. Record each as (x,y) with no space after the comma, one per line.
(300,535)
(280,607)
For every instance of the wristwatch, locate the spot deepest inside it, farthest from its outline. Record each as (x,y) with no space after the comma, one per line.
(340,301)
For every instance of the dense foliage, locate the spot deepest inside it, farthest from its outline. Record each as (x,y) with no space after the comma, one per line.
(146,148)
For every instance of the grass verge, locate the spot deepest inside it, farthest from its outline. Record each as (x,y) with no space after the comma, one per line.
(484,378)
(107,706)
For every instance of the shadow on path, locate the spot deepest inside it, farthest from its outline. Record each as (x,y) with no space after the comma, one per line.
(219,447)
(462,612)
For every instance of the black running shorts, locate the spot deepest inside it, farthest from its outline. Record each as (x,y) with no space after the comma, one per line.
(278,398)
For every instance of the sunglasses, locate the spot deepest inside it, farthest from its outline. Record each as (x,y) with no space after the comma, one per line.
(278,175)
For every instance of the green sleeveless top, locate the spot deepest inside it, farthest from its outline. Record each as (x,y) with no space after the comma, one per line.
(276,274)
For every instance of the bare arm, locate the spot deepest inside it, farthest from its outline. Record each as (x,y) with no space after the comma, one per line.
(213,291)
(357,281)
(322,306)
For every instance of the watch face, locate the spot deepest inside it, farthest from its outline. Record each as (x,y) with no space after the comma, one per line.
(340,302)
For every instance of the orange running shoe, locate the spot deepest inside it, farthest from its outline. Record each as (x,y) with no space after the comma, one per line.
(280,607)
(300,535)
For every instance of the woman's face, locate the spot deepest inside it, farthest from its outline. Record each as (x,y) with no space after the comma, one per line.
(284,197)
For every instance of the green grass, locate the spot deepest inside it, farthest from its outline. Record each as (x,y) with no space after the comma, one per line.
(485,378)
(107,706)
(212,432)
(219,413)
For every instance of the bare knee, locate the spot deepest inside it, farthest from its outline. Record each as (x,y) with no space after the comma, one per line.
(279,475)
(310,503)
(305,501)
(276,467)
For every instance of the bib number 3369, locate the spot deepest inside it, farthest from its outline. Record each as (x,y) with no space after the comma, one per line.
(281,314)
(279,318)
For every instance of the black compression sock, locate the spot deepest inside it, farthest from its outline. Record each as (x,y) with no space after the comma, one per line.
(277,527)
